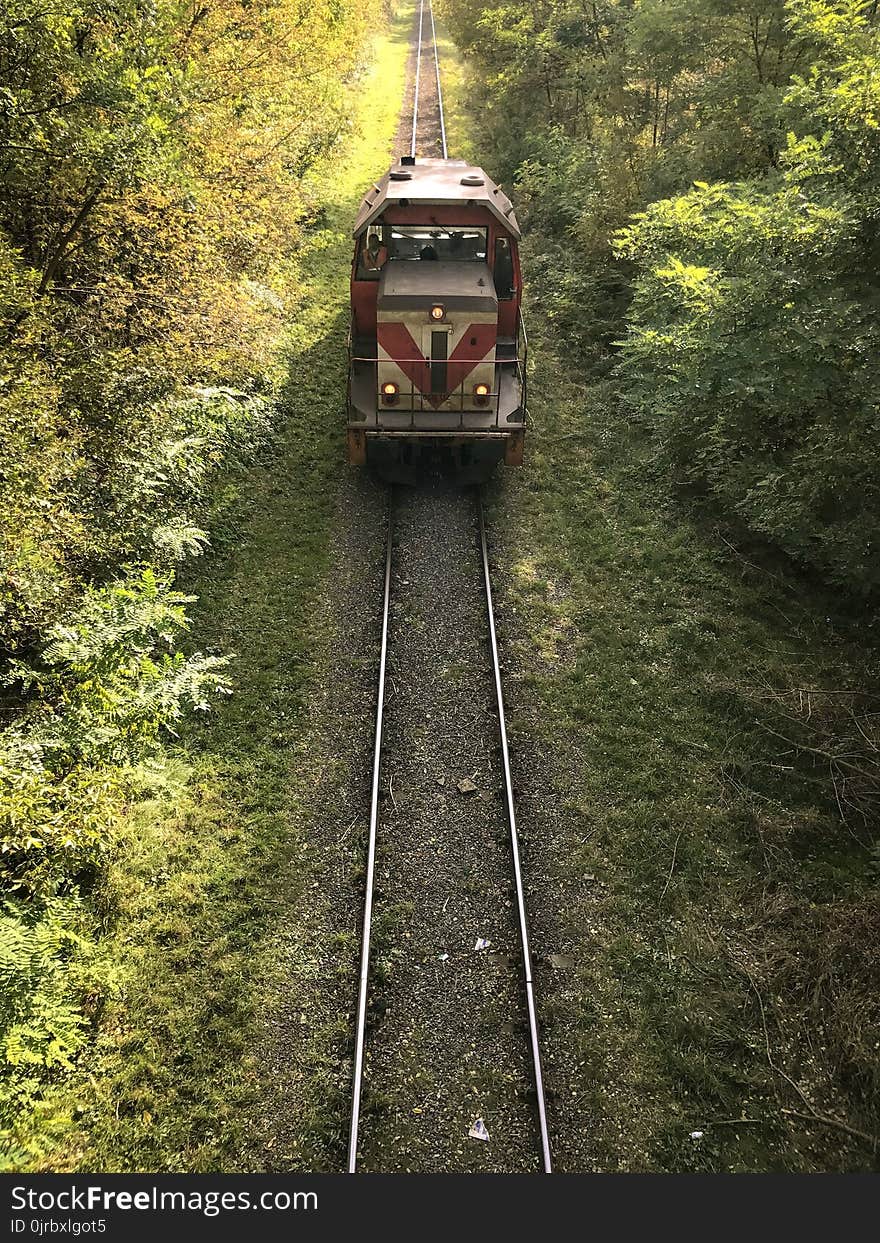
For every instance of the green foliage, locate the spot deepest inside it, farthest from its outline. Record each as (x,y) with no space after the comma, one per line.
(154,176)
(42,1025)
(597,110)
(39,1026)
(702,184)
(106,683)
(752,352)
(158,165)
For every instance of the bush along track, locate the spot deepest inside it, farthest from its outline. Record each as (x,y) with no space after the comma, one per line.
(693,713)
(143,872)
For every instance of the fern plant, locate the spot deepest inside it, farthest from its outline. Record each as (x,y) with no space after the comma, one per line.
(105,687)
(42,1027)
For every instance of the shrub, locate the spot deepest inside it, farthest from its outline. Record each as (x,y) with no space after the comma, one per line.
(752,351)
(106,684)
(42,1025)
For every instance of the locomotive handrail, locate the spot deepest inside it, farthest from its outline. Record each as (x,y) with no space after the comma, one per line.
(522,368)
(426,362)
(412,401)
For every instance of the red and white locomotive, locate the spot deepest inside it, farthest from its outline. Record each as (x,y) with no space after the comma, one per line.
(437,348)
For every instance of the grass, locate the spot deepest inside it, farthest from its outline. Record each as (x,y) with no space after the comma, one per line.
(211,898)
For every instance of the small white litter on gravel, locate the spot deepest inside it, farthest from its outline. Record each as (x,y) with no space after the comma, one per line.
(483,943)
(478,1129)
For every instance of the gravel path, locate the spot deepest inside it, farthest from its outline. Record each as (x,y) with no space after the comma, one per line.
(447,1043)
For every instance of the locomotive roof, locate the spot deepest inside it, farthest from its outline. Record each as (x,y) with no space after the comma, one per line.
(434,183)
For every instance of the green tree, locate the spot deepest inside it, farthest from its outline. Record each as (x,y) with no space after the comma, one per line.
(752,352)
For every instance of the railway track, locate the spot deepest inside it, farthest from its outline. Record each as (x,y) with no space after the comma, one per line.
(380,762)
(428,136)
(428,119)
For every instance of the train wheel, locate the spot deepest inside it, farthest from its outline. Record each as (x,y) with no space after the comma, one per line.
(475,462)
(393,461)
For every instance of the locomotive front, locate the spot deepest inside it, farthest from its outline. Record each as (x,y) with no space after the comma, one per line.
(437,346)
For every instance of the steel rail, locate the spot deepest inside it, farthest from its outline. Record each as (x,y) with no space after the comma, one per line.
(412,147)
(439,87)
(515,851)
(363,986)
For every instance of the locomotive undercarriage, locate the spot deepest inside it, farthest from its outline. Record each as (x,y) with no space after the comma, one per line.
(407,461)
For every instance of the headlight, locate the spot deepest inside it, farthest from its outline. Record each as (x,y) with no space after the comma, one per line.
(481,394)
(438,311)
(390,392)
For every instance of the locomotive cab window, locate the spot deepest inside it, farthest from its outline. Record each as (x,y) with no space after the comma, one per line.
(435,242)
(504,285)
(372,253)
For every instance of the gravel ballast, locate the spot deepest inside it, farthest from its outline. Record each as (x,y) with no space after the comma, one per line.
(447,1041)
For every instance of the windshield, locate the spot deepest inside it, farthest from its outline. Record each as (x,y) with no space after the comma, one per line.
(446,243)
